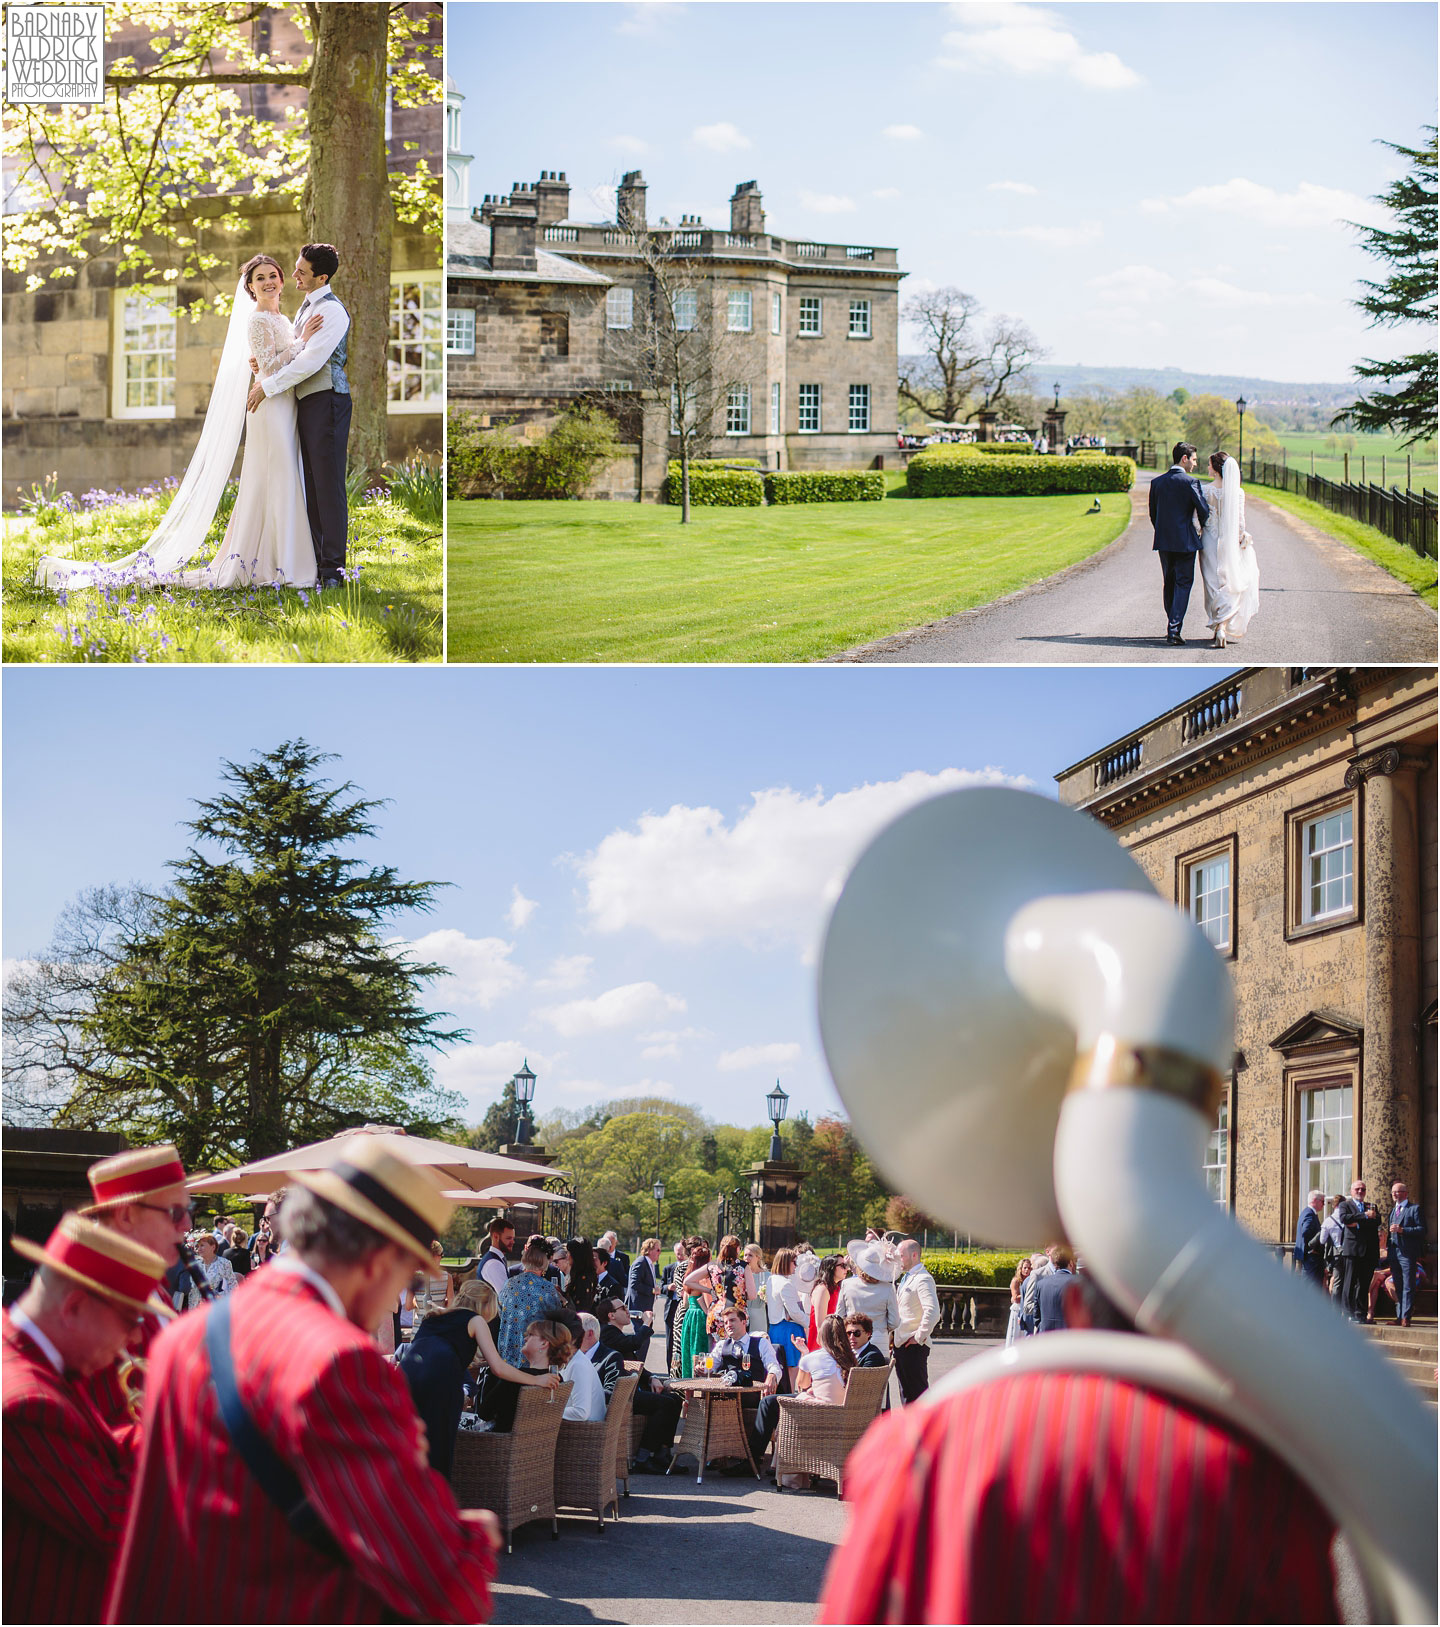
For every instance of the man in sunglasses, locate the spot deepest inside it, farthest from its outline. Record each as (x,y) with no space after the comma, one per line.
(140,1194)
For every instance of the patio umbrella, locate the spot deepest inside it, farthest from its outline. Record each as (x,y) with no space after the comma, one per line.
(460,1166)
(510,1192)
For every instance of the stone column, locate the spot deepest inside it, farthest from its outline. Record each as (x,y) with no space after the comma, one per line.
(1055,429)
(776,1190)
(1390,1122)
(987,418)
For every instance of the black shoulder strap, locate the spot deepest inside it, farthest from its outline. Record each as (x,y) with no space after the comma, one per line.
(274,1477)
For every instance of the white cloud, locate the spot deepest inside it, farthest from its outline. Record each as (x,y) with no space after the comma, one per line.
(566,972)
(1055,237)
(480,1072)
(886,192)
(904,132)
(667,1042)
(481,967)
(625,1007)
(1138,285)
(646,1087)
(631,144)
(758,1056)
(521,908)
(827,203)
(647,16)
(1308,205)
(1022,187)
(1032,42)
(689,875)
(720,138)
(1132,283)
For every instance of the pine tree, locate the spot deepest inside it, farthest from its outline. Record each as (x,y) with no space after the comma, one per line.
(1408,294)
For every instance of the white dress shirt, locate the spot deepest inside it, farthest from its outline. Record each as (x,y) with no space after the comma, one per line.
(587,1401)
(919,1306)
(18,1319)
(740,1348)
(316,351)
(494,1270)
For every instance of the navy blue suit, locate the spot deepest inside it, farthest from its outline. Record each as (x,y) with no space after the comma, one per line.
(640,1290)
(1405,1248)
(1176,502)
(1311,1261)
(1050,1300)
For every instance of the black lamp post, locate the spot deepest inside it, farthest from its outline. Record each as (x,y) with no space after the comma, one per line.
(1240,408)
(1057,395)
(524,1083)
(659,1190)
(776,1103)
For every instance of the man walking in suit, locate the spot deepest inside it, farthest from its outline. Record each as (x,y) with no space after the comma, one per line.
(1050,1295)
(640,1289)
(1176,503)
(1407,1239)
(1309,1245)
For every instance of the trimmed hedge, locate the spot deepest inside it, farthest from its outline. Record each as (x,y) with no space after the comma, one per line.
(1024,448)
(984,1268)
(717,463)
(841,486)
(718,488)
(930,476)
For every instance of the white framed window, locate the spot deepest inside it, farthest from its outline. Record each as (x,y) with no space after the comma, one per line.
(776,314)
(738,310)
(1217,1157)
(460,332)
(859,318)
(1327,880)
(810,315)
(737,410)
(144,343)
(1327,1129)
(809,419)
(619,307)
(775,407)
(1207,900)
(859,408)
(415,359)
(686,310)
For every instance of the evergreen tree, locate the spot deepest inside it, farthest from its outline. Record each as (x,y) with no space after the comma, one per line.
(497,1128)
(1407,294)
(256,1004)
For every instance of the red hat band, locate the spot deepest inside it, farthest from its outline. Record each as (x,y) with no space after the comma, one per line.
(136,1184)
(101,1269)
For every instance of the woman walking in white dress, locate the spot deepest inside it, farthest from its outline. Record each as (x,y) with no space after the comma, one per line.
(1229,570)
(267,539)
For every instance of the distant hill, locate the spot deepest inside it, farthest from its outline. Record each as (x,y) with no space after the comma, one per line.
(1259,392)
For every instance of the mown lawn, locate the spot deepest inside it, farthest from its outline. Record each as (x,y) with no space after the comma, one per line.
(568,581)
(391,609)
(1382,455)
(1401,562)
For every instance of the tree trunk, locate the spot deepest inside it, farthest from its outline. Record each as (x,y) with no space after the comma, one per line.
(684,475)
(347,201)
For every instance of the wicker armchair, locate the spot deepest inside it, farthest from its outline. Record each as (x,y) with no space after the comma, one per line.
(586,1455)
(816,1438)
(513,1474)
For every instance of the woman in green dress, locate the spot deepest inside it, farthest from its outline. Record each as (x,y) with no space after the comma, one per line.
(694,1337)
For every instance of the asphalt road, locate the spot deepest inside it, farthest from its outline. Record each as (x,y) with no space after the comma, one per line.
(1320,601)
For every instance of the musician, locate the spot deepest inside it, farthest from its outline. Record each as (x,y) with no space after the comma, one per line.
(315,1422)
(67,1476)
(140,1194)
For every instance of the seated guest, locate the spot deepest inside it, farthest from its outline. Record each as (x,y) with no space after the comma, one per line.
(750,1356)
(618,1331)
(821,1379)
(858,1328)
(219,1273)
(615,1344)
(435,1361)
(528,1298)
(549,1345)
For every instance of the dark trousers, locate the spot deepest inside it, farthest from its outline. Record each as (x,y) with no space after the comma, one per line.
(1355,1285)
(662,1418)
(912,1369)
(1402,1274)
(1179,572)
(323,420)
(767,1420)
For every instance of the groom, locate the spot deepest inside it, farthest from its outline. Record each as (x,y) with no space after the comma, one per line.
(322,405)
(1175,503)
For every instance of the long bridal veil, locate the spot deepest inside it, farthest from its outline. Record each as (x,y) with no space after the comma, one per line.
(186,523)
(1239,568)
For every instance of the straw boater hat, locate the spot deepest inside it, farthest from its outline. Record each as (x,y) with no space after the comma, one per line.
(872,1259)
(101,1260)
(404,1202)
(134,1176)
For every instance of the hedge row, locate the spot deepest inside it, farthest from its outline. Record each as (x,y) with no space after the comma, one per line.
(1023,448)
(842,486)
(716,463)
(929,476)
(718,488)
(984,1268)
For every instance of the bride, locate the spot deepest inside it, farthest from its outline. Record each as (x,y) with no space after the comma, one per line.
(267,540)
(1229,570)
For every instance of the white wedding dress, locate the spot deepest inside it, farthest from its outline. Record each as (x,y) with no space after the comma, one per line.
(267,539)
(1229,570)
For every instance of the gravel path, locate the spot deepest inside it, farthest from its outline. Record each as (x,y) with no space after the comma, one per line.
(1320,601)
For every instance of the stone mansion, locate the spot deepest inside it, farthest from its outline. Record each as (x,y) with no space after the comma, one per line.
(533,294)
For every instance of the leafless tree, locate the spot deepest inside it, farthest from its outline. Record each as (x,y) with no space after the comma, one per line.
(679,344)
(966,361)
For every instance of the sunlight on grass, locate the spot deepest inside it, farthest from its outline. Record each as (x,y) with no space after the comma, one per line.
(1402,563)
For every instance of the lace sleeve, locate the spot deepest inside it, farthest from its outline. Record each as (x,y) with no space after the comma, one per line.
(266,345)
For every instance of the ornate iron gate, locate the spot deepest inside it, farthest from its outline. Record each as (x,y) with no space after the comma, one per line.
(735,1215)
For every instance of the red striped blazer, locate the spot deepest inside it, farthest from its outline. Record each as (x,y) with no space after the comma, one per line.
(66,1486)
(1074,1498)
(203,1540)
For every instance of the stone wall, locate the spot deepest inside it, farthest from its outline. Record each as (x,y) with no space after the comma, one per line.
(537,342)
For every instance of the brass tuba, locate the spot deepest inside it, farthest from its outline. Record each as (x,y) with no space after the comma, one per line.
(1030,1042)
(130,1374)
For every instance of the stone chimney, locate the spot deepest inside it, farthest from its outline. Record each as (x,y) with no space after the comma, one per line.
(553,194)
(512,224)
(630,202)
(746,214)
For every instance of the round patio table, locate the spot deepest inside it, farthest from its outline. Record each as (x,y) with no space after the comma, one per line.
(714,1423)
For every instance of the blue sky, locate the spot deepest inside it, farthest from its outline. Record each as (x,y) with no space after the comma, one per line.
(640,857)
(1147,184)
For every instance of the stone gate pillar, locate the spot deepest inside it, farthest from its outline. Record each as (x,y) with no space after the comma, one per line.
(1055,428)
(775,1186)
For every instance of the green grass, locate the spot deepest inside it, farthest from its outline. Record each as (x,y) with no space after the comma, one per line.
(391,609)
(1401,562)
(1328,447)
(626,582)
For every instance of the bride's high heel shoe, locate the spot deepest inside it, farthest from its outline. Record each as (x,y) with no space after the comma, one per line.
(1219,643)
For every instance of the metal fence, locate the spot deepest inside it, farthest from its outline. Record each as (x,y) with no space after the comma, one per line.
(1410,517)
